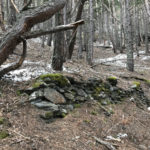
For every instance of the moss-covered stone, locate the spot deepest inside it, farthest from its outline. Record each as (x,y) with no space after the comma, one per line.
(94,113)
(136,85)
(98,90)
(4,134)
(56,78)
(147,82)
(48,115)
(112,80)
(2,120)
(77,105)
(37,84)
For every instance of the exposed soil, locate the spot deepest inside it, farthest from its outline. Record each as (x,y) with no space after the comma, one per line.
(77,130)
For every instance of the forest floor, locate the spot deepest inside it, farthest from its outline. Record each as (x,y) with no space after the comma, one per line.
(127,128)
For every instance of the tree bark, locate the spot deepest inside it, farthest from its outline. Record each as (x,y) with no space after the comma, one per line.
(58,53)
(74,33)
(27,20)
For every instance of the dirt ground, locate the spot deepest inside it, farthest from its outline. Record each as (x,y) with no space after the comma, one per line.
(27,131)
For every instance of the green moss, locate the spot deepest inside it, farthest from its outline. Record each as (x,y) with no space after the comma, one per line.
(112,80)
(48,115)
(147,82)
(94,113)
(58,78)
(98,90)
(4,134)
(63,115)
(2,120)
(136,84)
(87,121)
(18,92)
(77,105)
(37,84)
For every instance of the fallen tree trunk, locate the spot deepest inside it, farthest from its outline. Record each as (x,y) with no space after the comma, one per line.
(25,22)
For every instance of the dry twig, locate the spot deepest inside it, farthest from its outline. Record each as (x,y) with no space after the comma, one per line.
(109,146)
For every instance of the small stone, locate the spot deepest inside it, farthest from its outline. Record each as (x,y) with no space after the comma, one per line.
(81,92)
(61,113)
(69,107)
(80,98)
(102,95)
(142,147)
(35,95)
(69,96)
(148,108)
(104,102)
(45,105)
(53,96)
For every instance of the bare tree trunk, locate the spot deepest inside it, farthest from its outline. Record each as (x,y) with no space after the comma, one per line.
(12,14)
(129,40)
(146,32)
(80,43)
(1,16)
(58,54)
(90,47)
(73,39)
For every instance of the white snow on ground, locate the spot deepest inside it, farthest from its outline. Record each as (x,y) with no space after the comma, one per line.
(145,58)
(30,72)
(106,44)
(120,60)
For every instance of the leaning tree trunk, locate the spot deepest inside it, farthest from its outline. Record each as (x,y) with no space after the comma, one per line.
(74,33)
(27,20)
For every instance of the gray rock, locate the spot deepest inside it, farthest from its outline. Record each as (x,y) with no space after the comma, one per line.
(35,95)
(45,105)
(61,113)
(80,99)
(53,96)
(104,102)
(81,92)
(69,96)
(69,107)
(102,95)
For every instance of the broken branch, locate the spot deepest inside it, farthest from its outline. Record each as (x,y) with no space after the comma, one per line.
(106,144)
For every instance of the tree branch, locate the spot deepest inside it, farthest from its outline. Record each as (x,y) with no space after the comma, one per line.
(26,6)
(15,6)
(18,64)
(35,34)
(27,20)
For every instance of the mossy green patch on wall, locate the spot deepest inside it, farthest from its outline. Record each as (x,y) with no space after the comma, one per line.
(147,82)
(136,84)
(57,78)
(112,80)
(37,84)
(48,115)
